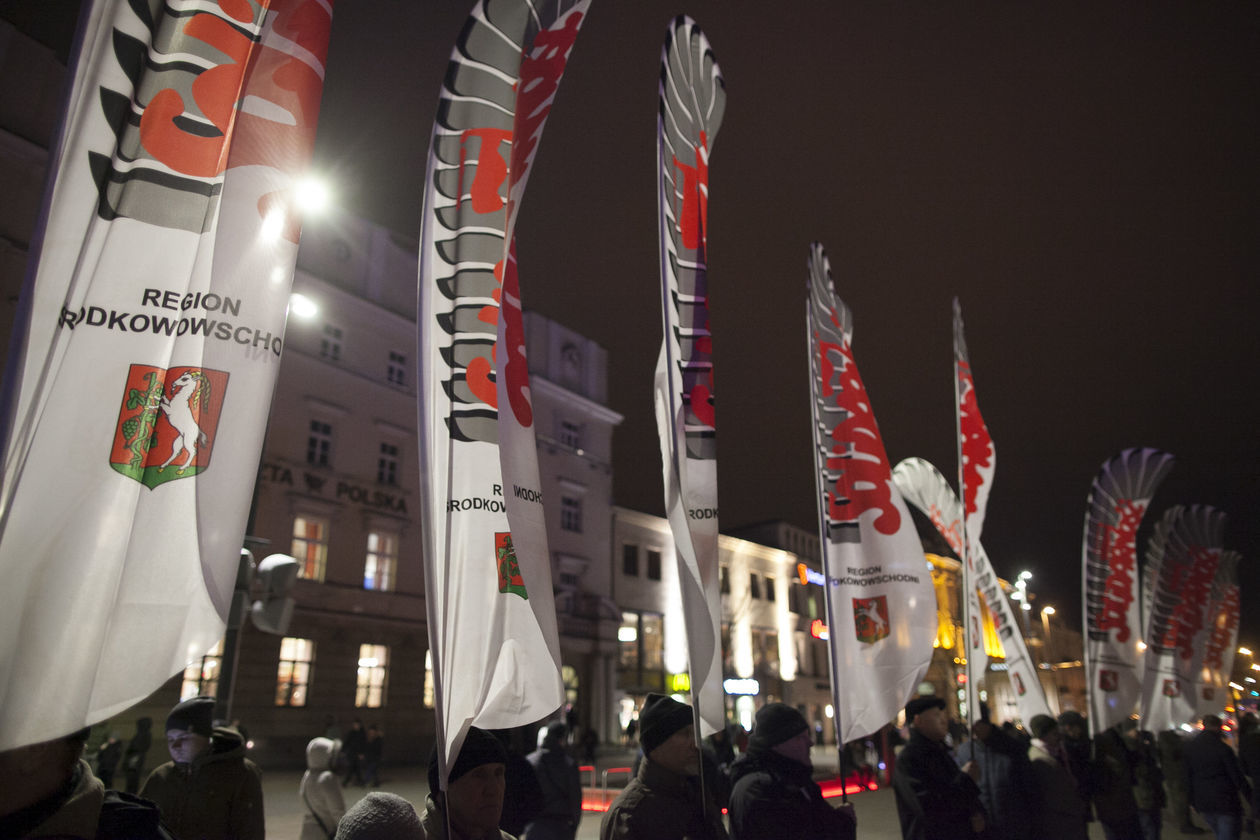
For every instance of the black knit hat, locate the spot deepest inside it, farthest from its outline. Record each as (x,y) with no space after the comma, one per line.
(661,717)
(480,747)
(1041,725)
(774,724)
(196,715)
(380,816)
(921,704)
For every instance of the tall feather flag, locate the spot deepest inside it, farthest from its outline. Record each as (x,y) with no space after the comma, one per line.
(881,606)
(976,462)
(692,102)
(1117,501)
(1189,542)
(146,348)
(1221,637)
(923,486)
(491,610)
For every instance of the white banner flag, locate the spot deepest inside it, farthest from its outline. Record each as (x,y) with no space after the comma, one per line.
(492,621)
(881,606)
(1215,644)
(152,323)
(923,486)
(692,101)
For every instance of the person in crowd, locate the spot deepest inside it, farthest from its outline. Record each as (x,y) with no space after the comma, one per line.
(717,752)
(373,749)
(774,792)
(1217,784)
(936,799)
(1249,758)
(320,790)
(561,788)
(473,799)
(380,816)
(1148,779)
(632,729)
(1004,778)
(590,743)
(1074,736)
(1058,811)
(208,790)
(1113,780)
(522,794)
(137,750)
(48,791)
(352,751)
(664,800)
(1172,759)
(108,758)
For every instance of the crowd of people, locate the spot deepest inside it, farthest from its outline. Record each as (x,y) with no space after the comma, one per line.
(996,783)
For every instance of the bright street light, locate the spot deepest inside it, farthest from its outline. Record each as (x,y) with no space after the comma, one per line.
(311,194)
(300,306)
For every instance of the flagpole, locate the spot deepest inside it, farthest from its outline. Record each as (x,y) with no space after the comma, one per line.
(964,601)
(822,552)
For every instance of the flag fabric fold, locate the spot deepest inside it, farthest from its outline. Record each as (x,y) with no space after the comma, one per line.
(1186,549)
(923,486)
(492,624)
(146,349)
(1118,499)
(881,605)
(692,102)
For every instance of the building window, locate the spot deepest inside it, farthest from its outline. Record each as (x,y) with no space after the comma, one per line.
(570,434)
(387,465)
(769,588)
(319,444)
(630,560)
(653,565)
(724,580)
(641,648)
(201,676)
(294,676)
(571,514)
(369,690)
(310,546)
(396,372)
(382,561)
(754,585)
(330,343)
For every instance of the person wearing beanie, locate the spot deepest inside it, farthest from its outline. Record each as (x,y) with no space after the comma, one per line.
(380,816)
(936,799)
(561,784)
(774,792)
(208,790)
(320,790)
(473,798)
(1217,784)
(1005,777)
(1057,807)
(664,800)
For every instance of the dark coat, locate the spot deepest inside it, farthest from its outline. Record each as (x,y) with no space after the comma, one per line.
(935,798)
(218,796)
(561,797)
(660,805)
(84,810)
(1058,812)
(1113,784)
(1004,783)
(1216,778)
(774,796)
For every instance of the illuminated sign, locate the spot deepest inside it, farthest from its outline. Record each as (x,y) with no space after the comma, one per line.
(808,575)
(678,682)
(746,686)
(819,630)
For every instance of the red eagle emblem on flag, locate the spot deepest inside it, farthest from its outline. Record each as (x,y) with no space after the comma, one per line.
(509,569)
(870,618)
(1172,688)
(1108,680)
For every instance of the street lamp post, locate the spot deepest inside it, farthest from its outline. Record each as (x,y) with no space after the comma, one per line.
(1046,612)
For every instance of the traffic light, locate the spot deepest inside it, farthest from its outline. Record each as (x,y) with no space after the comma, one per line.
(274,609)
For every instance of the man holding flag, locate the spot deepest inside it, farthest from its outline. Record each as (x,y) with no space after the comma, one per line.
(936,799)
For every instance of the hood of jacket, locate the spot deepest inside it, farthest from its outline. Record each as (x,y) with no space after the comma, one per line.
(769,761)
(321,753)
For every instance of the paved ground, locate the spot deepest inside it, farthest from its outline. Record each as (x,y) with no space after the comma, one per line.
(876,810)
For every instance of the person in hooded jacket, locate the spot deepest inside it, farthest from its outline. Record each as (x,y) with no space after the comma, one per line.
(320,790)
(209,790)
(561,786)
(774,794)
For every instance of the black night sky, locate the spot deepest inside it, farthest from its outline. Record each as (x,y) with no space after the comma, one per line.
(1084,176)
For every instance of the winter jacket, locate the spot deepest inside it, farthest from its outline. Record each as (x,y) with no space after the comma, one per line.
(217,796)
(84,810)
(433,820)
(1216,778)
(1004,783)
(1148,778)
(320,791)
(935,798)
(561,799)
(1113,784)
(660,805)
(774,797)
(1058,811)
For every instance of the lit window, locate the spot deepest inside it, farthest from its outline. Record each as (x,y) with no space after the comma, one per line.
(310,546)
(430,695)
(330,344)
(387,465)
(653,565)
(294,675)
(570,434)
(319,444)
(382,560)
(571,514)
(369,689)
(201,676)
(396,372)
(630,560)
